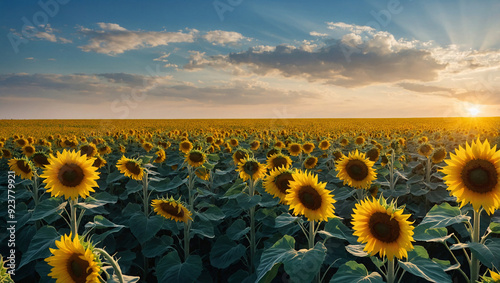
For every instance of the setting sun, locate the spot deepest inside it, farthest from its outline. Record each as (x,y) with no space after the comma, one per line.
(474,110)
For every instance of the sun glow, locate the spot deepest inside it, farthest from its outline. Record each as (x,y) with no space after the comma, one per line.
(473,110)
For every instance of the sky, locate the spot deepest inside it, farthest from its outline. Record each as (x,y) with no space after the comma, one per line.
(71,59)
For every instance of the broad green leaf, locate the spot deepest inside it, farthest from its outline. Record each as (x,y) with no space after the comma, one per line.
(100,222)
(203,228)
(284,220)
(237,230)
(115,176)
(420,265)
(356,250)
(488,253)
(336,229)
(39,247)
(145,228)
(444,215)
(171,269)
(495,227)
(225,252)
(47,208)
(156,246)
(213,213)
(173,184)
(354,272)
(424,234)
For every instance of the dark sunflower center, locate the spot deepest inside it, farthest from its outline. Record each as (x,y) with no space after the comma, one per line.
(271,152)
(170,209)
(480,176)
(309,197)
(324,144)
(77,269)
(70,175)
(307,147)
(295,148)
(41,159)
(23,166)
(279,161)
(133,167)
(88,150)
(383,228)
(196,157)
(97,163)
(310,161)
(185,145)
(357,169)
(29,149)
(282,182)
(251,167)
(373,154)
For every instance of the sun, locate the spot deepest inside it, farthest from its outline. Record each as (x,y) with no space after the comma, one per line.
(473,110)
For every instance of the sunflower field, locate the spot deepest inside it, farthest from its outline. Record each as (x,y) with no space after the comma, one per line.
(297,200)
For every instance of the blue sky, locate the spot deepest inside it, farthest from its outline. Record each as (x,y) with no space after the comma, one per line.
(249,59)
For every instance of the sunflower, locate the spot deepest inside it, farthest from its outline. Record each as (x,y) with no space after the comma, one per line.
(279,144)
(344,142)
(6,153)
(310,162)
(99,162)
(493,278)
(337,154)
(40,159)
(239,155)
(147,146)
(72,262)
(104,150)
(160,156)
(130,168)
(195,158)
(70,174)
(373,154)
(21,142)
(255,145)
(203,173)
(28,150)
(22,167)
(308,197)
(185,146)
(308,147)
(438,155)
(89,149)
(250,168)
(324,145)
(234,142)
(473,175)
(294,149)
(425,149)
(359,140)
(356,170)
(278,160)
(277,183)
(171,209)
(383,227)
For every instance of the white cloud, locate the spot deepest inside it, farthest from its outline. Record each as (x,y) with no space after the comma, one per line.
(349,27)
(113,39)
(314,33)
(220,37)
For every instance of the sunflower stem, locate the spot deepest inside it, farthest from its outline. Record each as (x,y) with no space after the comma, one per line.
(73,220)
(112,262)
(35,189)
(251,190)
(312,235)
(474,261)
(145,198)
(391,171)
(428,170)
(187,227)
(391,275)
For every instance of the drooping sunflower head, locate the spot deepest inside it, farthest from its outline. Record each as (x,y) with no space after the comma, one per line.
(185,146)
(70,174)
(279,144)
(239,155)
(384,160)
(250,168)
(203,173)
(425,149)
(310,162)
(160,156)
(40,159)
(104,149)
(309,197)
(195,158)
(131,168)
(383,227)
(337,154)
(171,209)
(356,170)
(72,262)
(294,149)
(278,160)
(99,162)
(473,175)
(308,147)
(234,142)
(89,149)
(28,150)
(22,166)
(438,155)
(277,183)
(324,145)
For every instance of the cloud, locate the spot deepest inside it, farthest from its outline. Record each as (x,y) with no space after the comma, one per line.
(424,88)
(349,27)
(96,88)
(220,37)
(42,32)
(350,62)
(113,39)
(314,33)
